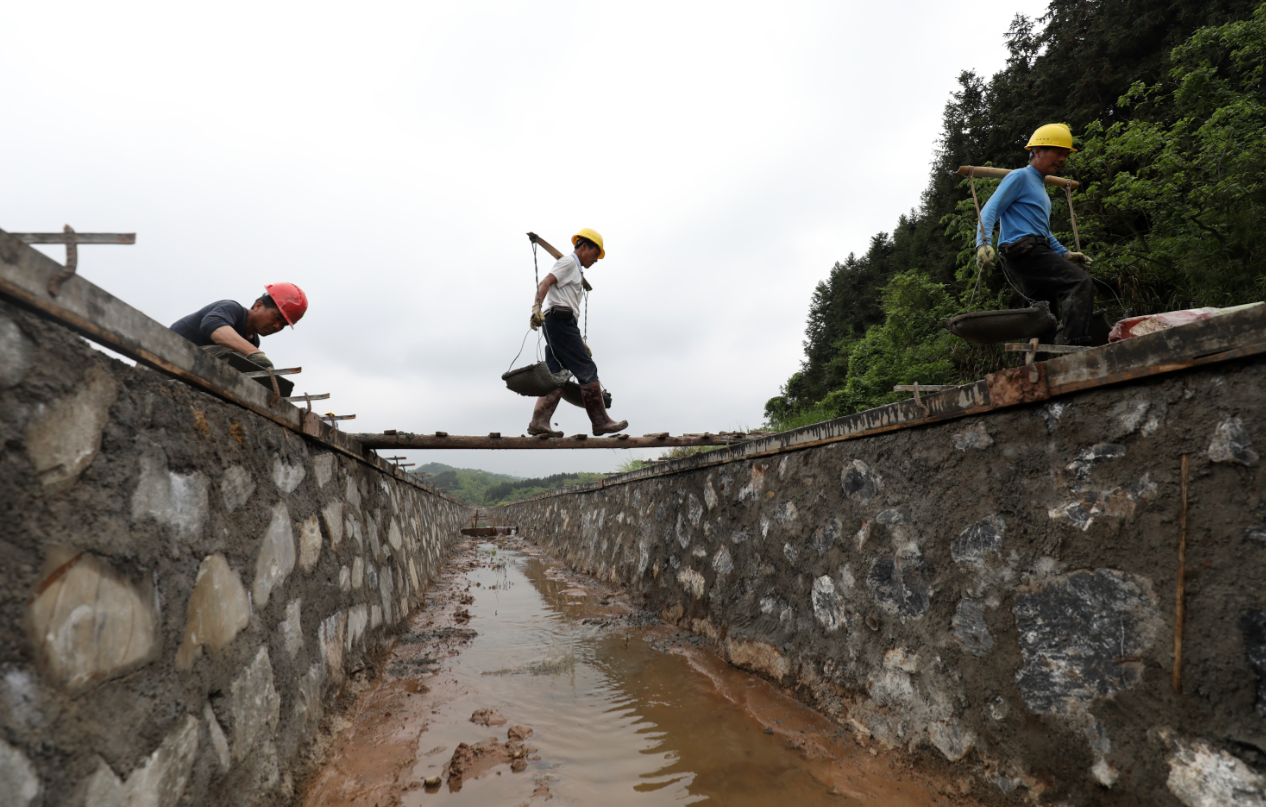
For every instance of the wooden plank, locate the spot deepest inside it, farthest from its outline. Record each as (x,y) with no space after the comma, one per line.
(401,439)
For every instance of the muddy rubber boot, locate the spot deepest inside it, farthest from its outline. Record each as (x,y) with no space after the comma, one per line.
(544,410)
(602,424)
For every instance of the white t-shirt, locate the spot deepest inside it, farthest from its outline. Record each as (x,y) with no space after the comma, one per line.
(566,292)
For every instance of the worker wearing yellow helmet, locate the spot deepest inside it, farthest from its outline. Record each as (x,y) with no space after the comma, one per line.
(556,306)
(1045,268)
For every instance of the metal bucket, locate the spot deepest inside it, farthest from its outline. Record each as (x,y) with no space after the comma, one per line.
(988,327)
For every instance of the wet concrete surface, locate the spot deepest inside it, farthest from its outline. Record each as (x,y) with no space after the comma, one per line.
(523,682)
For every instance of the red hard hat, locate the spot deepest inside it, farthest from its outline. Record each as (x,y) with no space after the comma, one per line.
(290,299)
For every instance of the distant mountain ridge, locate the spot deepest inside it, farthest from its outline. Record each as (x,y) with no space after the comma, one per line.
(474,486)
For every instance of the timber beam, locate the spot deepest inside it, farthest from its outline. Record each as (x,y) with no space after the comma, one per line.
(398,439)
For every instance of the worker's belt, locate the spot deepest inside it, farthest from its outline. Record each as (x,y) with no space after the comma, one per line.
(1020,246)
(560,313)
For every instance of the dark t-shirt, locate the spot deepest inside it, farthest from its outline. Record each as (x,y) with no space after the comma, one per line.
(197,327)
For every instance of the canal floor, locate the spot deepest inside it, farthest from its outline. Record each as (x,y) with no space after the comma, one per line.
(522,682)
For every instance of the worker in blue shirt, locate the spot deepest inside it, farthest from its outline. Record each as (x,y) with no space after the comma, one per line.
(1045,268)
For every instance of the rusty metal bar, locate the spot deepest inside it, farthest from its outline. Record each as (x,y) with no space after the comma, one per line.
(267,373)
(306,398)
(408,440)
(76,238)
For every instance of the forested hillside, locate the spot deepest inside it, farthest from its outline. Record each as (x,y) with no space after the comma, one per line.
(1168,105)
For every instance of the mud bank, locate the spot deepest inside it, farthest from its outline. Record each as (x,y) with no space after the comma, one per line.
(995,595)
(185,585)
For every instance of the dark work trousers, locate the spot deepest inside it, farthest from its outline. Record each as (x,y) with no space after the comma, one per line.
(567,348)
(1045,275)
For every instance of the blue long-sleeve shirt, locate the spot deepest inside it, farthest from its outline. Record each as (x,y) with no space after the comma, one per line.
(1024,207)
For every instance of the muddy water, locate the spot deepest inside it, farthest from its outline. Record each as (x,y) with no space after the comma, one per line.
(621,712)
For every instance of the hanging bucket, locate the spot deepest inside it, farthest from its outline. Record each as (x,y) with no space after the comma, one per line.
(988,327)
(535,380)
(571,394)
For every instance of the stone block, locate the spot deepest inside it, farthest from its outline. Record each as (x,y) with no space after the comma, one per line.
(159,781)
(63,438)
(324,467)
(219,743)
(1231,443)
(89,622)
(357,621)
(970,629)
(332,514)
(352,492)
(333,630)
(307,701)
(15,353)
(386,588)
(983,538)
(691,581)
(218,608)
(828,608)
(276,557)
(177,501)
(287,477)
(254,705)
(951,739)
(394,537)
(972,437)
(291,628)
(1201,776)
(236,487)
(1078,636)
(758,656)
(722,563)
(899,586)
(309,543)
(358,571)
(19,781)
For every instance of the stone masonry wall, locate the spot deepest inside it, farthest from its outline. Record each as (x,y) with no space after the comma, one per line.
(996,592)
(183,585)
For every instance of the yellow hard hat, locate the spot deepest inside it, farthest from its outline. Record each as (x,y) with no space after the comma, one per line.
(593,236)
(1052,134)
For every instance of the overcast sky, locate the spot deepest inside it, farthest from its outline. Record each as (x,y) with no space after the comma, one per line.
(390,157)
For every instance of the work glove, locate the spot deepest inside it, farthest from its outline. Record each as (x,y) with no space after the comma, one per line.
(1079,258)
(538,319)
(260,358)
(985,256)
(587,350)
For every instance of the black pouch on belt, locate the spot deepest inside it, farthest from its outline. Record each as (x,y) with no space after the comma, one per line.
(1019,246)
(561,313)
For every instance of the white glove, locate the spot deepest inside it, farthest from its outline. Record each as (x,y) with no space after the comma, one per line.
(1079,258)
(985,256)
(260,358)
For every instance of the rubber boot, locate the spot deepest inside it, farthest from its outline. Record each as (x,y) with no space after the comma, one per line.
(543,411)
(602,424)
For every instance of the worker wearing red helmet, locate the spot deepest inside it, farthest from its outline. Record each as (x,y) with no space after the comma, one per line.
(237,327)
